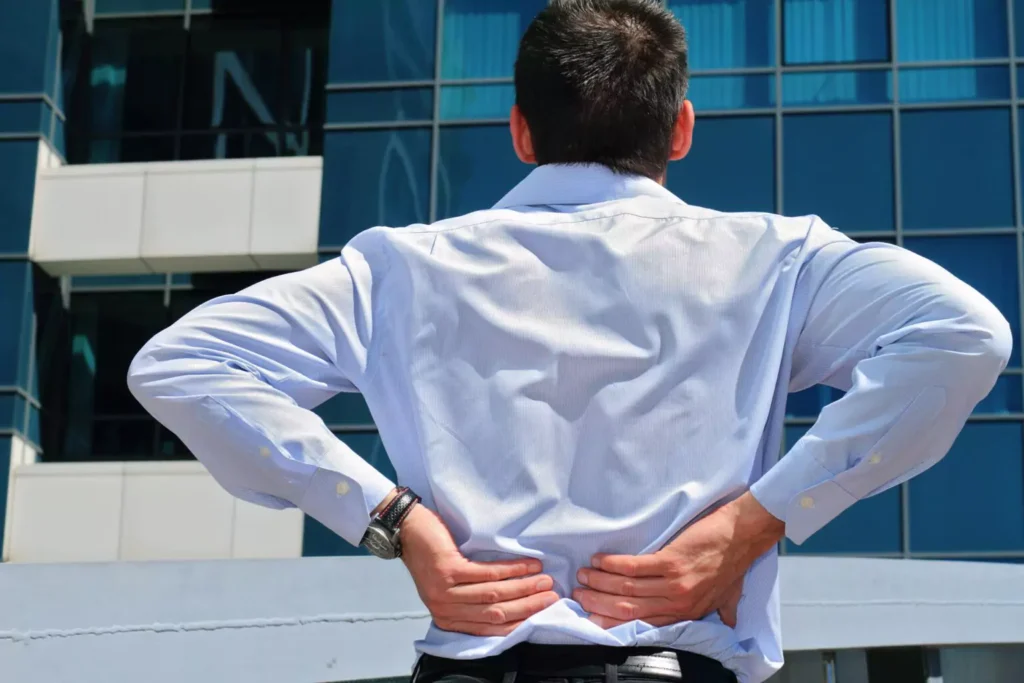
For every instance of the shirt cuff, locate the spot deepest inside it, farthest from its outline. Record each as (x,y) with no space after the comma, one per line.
(801,493)
(344,502)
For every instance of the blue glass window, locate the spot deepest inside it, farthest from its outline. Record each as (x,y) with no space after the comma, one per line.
(383,40)
(18,170)
(129,6)
(318,540)
(132,149)
(973,500)
(956,168)
(255,143)
(15,309)
(869,526)
(940,30)
(728,34)
(955,83)
(481,39)
(829,88)
(986,262)
(346,410)
(1018,20)
(30,116)
(460,102)
(12,411)
(5,467)
(26,49)
(1004,398)
(710,93)
(377,177)
(825,155)
(832,31)
(115,281)
(809,402)
(477,167)
(711,175)
(368,106)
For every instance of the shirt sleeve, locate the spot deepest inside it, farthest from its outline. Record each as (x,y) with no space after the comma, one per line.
(914,348)
(237,378)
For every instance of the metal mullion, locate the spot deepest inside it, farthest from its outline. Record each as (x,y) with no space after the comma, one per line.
(435,133)
(981,554)
(835,66)
(350,428)
(779,160)
(474,122)
(838,109)
(996,61)
(759,111)
(377,125)
(377,85)
(22,392)
(188,14)
(953,104)
(86,289)
(979,417)
(1018,172)
(958,232)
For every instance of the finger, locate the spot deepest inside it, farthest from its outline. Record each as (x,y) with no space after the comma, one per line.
(500,613)
(632,565)
(618,607)
(480,572)
(476,629)
(616,584)
(608,622)
(499,591)
(729,611)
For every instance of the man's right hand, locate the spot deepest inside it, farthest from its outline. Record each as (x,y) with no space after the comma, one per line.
(477,598)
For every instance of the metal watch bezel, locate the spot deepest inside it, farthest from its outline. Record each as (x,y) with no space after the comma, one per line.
(382,543)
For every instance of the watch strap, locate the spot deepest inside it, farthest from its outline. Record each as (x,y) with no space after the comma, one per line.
(396,511)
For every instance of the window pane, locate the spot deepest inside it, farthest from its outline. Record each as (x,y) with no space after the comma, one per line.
(477,167)
(125,6)
(728,34)
(304,63)
(809,402)
(15,307)
(318,540)
(822,88)
(973,499)
(481,39)
(24,51)
(956,83)
(345,409)
(384,177)
(12,411)
(709,93)
(136,74)
(709,175)
(956,169)
(368,106)
(118,439)
(80,281)
(31,116)
(208,286)
(937,30)
(1005,397)
(860,155)
(987,263)
(18,170)
(870,526)
(1018,20)
(132,149)
(383,40)
(824,31)
(476,101)
(254,144)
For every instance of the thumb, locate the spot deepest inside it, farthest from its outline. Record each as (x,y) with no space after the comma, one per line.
(729,610)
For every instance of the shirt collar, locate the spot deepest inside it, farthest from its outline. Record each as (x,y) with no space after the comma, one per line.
(577,184)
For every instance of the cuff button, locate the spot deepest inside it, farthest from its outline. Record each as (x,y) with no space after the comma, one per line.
(807,502)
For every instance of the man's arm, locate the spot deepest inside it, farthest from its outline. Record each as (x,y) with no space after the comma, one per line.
(914,348)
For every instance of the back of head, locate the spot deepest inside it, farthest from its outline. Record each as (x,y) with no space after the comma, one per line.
(602,81)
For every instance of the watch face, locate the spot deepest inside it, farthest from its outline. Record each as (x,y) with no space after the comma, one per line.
(379,543)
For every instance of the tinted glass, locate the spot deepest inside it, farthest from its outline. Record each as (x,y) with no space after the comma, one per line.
(827,88)
(126,6)
(368,106)
(12,411)
(371,178)
(132,149)
(859,156)
(383,40)
(711,175)
(14,304)
(987,263)
(973,499)
(955,83)
(24,46)
(825,31)
(728,34)
(481,39)
(318,540)
(809,402)
(252,144)
(30,116)
(84,281)
(938,30)
(18,170)
(477,167)
(135,79)
(476,101)
(709,93)
(5,466)
(1004,398)
(956,168)
(346,410)
(1018,21)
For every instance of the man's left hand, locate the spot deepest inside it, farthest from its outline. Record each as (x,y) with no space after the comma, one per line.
(698,573)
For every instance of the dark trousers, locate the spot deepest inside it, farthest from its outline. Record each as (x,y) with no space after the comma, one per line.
(529,663)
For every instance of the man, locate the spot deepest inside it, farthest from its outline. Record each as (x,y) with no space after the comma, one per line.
(586,384)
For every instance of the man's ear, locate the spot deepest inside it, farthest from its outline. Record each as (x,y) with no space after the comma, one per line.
(521,139)
(682,132)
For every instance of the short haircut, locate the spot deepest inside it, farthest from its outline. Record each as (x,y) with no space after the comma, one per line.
(602,81)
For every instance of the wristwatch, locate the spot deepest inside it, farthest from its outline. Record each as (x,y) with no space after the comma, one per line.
(381,537)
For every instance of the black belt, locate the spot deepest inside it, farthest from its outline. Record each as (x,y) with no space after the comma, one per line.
(529,662)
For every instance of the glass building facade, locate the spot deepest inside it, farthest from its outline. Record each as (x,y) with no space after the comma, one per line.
(894,120)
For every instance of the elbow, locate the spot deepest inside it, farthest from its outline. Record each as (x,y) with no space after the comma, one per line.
(146,371)
(996,339)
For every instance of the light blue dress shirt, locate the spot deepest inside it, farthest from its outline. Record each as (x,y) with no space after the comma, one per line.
(586,367)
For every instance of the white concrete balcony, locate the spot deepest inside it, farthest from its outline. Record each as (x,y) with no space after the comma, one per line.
(183,216)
